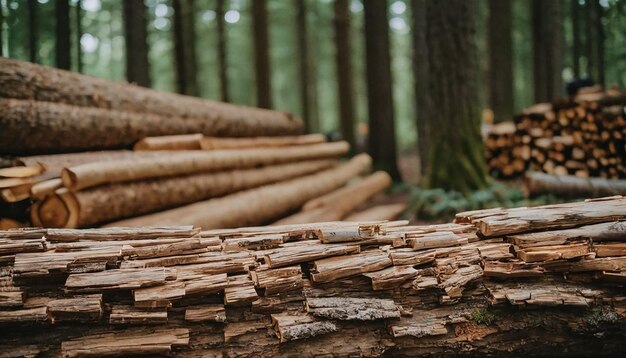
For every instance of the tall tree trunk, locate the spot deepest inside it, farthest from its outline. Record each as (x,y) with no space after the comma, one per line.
(79,35)
(1,31)
(420,74)
(599,13)
(343,48)
(547,49)
(221,51)
(261,54)
(304,60)
(63,41)
(33,30)
(457,159)
(589,39)
(136,36)
(576,40)
(382,137)
(184,47)
(500,60)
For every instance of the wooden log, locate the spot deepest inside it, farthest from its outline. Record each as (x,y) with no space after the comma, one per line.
(198,141)
(171,142)
(250,207)
(121,200)
(21,171)
(338,204)
(572,186)
(178,163)
(379,212)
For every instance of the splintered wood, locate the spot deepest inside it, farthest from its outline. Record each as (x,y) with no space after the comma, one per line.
(334,288)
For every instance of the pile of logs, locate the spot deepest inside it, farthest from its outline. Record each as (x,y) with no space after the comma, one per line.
(192,161)
(584,137)
(497,281)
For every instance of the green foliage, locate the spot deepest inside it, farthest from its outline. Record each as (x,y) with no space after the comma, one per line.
(483,316)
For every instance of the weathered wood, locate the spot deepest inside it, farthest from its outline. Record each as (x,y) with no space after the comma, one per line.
(598,232)
(571,186)
(277,281)
(171,142)
(250,207)
(291,327)
(435,240)
(296,254)
(334,268)
(391,277)
(345,309)
(32,315)
(83,308)
(128,279)
(206,313)
(120,233)
(131,315)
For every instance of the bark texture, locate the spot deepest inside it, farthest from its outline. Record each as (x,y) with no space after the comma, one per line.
(136,36)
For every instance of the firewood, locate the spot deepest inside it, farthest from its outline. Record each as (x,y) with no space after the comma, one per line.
(92,174)
(250,207)
(94,205)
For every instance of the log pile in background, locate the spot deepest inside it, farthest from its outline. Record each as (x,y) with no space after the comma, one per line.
(585,137)
(496,281)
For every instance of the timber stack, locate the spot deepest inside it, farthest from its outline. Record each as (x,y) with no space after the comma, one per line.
(496,281)
(107,152)
(584,137)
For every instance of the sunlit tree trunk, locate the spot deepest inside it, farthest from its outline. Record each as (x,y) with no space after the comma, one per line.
(343,47)
(221,51)
(457,159)
(382,137)
(184,47)
(33,31)
(63,41)
(420,74)
(500,60)
(136,36)
(261,54)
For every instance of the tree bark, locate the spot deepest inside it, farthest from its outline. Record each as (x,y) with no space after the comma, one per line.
(33,31)
(222,57)
(50,85)
(304,61)
(184,47)
(345,90)
(79,35)
(500,60)
(590,39)
(548,45)
(63,42)
(600,37)
(420,74)
(46,127)
(251,207)
(569,186)
(118,201)
(1,31)
(382,137)
(452,86)
(136,36)
(261,54)
(576,37)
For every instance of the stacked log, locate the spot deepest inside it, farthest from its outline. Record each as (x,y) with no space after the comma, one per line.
(495,282)
(585,137)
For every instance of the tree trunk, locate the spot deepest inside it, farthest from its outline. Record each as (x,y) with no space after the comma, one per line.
(548,42)
(33,31)
(345,90)
(576,38)
(589,39)
(304,63)
(261,54)
(63,42)
(382,137)
(79,35)
(136,36)
(457,159)
(420,74)
(570,186)
(184,47)
(1,31)
(600,37)
(221,51)
(500,60)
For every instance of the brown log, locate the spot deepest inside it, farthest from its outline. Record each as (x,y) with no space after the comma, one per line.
(198,141)
(338,204)
(572,186)
(380,212)
(252,207)
(92,174)
(121,200)
(171,142)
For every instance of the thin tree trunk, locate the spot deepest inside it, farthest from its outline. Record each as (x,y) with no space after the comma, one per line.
(261,54)
(221,51)
(1,31)
(539,55)
(185,49)
(589,40)
(600,37)
(303,59)
(344,71)
(575,16)
(457,155)
(79,35)
(548,45)
(382,138)
(555,49)
(63,41)
(500,60)
(135,34)
(420,73)
(33,30)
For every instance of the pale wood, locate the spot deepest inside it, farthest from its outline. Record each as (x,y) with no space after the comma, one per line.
(361,309)
(212,143)
(118,279)
(189,162)
(291,327)
(309,252)
(334,268)
(278,281)
(21,171)
(171,142)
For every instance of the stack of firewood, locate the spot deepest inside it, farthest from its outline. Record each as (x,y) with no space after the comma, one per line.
(189,159)
(516,281)
(583,137)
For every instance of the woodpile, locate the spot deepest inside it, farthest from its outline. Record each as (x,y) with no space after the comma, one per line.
(584,137)
(495,282)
